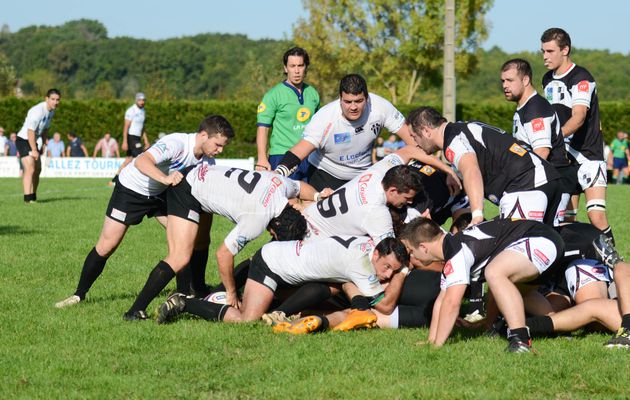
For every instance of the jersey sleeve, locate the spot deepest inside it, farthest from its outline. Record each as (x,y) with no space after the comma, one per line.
(167,148)
(394,120)
(457,148)
(538,131)
(246,230)
(368,284)
(129,114)
(378,224)
(390,161)
(457,269)
(317,129)
(582,92)
(292,188)
(33,117)
(266,110)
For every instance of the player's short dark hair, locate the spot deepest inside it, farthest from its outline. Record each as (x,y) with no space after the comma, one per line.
(561,37)
(353,84)
(391,245)
(289,225)
(461,222)
(522,67)
(403,178)
(421,230)
(216,125)
(52,91)
(72,134)
(298,52)
(423,117)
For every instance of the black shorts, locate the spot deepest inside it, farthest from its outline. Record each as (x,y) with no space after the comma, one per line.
(134,146)
(23,147)
(260,272)
(321,180)
(129,207)
(181,203)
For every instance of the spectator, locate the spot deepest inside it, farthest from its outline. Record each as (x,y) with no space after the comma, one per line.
(378,151)
(11,148)
(392,144)
(4,146)
(108,147)
(619,149)
(75,148)
(55,146)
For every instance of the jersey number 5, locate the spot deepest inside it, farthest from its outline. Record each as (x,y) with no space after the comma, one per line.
(326,207)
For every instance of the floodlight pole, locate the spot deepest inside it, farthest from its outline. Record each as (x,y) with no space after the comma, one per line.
(448,96)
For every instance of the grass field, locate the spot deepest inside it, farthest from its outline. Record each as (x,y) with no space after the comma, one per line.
(88,351)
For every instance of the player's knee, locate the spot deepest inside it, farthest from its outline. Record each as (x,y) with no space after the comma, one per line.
(177,261)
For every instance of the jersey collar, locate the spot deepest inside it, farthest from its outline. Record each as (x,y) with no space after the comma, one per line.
(300,95)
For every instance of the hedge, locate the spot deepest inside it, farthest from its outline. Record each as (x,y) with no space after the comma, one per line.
(90,119)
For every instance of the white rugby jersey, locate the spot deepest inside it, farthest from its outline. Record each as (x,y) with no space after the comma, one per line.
(357,208)
(173,152)
(37,119)
(334,259)
(250,199)
(344,148)
(136,115)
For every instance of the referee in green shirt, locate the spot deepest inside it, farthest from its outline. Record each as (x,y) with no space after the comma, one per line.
(286,109)
(619,148)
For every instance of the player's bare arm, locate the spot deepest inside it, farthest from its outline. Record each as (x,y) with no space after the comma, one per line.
(473,185)
(578,116)
(449,310)
(125,145)
(262,140)
(146,164)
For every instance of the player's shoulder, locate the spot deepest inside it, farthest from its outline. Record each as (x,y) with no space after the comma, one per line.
(547,77)
(38,109)
(536,107)
(579,73)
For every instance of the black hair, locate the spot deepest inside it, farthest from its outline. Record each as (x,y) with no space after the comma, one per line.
(561,37)
(403,178)
(72,134)
(522,67)
(353,84)
(391,245)
(53,91)
(421,230)
(298,52)
(289,225)
(216,125)
(424,117)
(460,223)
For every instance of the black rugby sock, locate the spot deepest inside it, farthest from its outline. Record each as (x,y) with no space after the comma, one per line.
(625,321)
(197,266)
(521,333)
(540,325)
(161,275)
(184,279)
(205,309)
(360,303)
(92,268)
(306,297)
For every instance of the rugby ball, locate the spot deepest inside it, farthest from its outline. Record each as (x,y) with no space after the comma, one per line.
(217,297)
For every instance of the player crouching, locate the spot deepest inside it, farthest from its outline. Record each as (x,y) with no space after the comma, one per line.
(504,252)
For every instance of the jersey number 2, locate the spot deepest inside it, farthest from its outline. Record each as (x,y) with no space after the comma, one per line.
(242,179)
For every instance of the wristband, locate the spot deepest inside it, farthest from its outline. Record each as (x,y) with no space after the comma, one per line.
(405,271)
(317,196)
(282,170)
(477,213)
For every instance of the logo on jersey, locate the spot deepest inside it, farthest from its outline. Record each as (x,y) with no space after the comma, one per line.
(343,137)
(493,198)
(549,93)
(160,146)
(541,256)
(449,154)
(448,268)
(202,171)
(376,128)
(298,247)
(241,241)
(358,130)
(372,279)
(261,108)
(275,184)
(427,170)
(518,150)
(302,115)
(538,124)
(583,86)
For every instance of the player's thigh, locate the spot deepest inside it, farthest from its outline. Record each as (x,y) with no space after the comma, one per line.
(202,240)
(111,235)
(256,300)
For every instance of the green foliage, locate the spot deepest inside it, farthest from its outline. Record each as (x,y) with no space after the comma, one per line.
(89,352)
(8,78)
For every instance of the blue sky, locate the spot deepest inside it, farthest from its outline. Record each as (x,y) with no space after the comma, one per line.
(516,25)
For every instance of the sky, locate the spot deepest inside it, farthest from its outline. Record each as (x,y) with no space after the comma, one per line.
(515,26)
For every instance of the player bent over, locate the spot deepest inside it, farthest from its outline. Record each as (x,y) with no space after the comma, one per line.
(141,187)
(503,252)
(254,200)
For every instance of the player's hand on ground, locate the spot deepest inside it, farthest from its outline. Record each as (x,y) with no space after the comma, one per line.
(231,299)
(453,183)
(262,165)
(174,178)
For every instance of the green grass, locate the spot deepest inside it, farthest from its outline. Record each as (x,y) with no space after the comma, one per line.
(88,351)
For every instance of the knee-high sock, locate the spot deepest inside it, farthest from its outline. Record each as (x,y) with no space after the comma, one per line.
(157,281)
(92,268)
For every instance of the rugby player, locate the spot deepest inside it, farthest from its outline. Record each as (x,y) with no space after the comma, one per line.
(140,191)
(572,92)
(254,200)
(493,165)
(30,140)
(503,252)
(135,139)
(286,108)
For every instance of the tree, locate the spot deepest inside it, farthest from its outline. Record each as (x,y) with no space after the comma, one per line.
(396,44)
(8,78)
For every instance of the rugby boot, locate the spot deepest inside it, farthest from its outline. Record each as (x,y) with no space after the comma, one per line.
(171,308)
(309,324)
(357,319)
(621,339)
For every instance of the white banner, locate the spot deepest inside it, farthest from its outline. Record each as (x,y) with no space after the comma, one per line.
(88,167)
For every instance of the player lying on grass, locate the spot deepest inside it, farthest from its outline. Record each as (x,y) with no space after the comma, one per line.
(255,201)
(141,190)
(503,252)
(289,264)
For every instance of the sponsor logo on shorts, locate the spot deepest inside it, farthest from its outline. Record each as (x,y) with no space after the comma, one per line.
(583,86)
(541,256)
(494,199)
(193,215)
(119,215)
(261,108)
(518,150)
(303,114)
(536,214)
(449,154)
(427,170)
(343,137)
(599,270)
(538,124)
(448,268)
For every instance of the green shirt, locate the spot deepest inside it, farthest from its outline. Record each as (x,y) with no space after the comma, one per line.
(287,111)
(618,148)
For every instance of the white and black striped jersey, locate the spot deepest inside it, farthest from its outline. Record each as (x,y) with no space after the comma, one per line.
(536,125)
(468,252)
(505,165)
(577,87)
